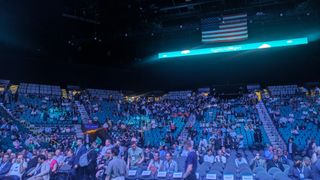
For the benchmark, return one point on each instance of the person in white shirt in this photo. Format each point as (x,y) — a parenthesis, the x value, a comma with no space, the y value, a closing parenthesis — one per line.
(155,164)
(240,160)
(203,143)
(220,157)
(17,168)
(107,146)
(208,157)
(58,157)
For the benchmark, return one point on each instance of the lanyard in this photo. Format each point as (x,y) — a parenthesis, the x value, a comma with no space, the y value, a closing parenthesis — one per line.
(302,169)
(2,165)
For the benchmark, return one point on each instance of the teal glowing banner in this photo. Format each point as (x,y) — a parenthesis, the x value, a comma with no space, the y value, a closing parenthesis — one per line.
(240,47)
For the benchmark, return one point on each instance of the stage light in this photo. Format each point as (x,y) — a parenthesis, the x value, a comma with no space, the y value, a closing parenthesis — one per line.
(234,48)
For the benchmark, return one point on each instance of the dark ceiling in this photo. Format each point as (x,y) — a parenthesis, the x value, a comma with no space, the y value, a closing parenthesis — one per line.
(106,43)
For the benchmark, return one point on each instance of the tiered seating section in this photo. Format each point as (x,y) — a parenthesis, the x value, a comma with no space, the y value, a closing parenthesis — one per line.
(283,90)
(238,117)
(45,110)
(37,89)
(296,116)
(160,119)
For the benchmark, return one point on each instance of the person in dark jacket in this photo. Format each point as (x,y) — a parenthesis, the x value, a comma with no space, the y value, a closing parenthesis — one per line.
(80,171)
(92,156)
(292,149)
(296,171)
(5,165)
(275,163)
(258,136)
(66,167)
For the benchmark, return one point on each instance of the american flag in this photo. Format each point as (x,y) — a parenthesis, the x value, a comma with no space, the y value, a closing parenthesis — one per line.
(227,28)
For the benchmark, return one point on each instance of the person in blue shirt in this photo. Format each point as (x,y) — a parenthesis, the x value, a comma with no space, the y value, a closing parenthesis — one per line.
(268,153)
(191,162)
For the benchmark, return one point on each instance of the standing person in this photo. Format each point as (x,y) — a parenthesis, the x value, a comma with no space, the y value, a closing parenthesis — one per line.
(258,137)
(292,149)
(135,155)
(92,166)
(191,162)
(81,150)
(116,169)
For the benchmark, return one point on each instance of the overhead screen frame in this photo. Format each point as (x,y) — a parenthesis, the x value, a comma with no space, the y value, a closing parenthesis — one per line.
(234,48)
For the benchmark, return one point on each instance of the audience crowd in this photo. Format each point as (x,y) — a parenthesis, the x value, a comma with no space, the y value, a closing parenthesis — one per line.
(215,138)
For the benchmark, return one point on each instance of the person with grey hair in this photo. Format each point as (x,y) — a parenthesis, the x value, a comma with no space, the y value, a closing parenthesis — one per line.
(306,165)
(315,155)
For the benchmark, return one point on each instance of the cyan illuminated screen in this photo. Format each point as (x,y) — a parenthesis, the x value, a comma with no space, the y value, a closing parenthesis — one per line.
(241,47)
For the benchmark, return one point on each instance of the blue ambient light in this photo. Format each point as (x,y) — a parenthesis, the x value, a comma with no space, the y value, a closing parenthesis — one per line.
(234,48)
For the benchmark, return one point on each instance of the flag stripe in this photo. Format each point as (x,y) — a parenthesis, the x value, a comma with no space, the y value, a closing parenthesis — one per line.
(226,34)
(234,21)
(232,40)
(234,16)
(225,38)
(224,30)
(233,25)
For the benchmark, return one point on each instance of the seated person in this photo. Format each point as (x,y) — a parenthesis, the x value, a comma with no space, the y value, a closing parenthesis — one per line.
(41,171)
(296,171)
(5,165)
(257,162)
(220,158)
(169,165)
(275,163)
(17,169)
(240,160)
(155,164)
(209,157)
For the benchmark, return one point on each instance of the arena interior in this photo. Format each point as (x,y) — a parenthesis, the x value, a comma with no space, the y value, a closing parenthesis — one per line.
(160,90)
